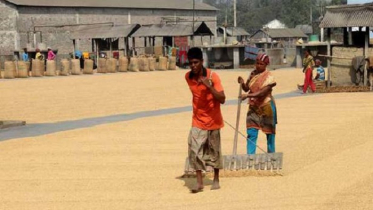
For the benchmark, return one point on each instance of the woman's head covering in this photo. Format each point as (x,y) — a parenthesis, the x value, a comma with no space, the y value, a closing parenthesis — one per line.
(263,57)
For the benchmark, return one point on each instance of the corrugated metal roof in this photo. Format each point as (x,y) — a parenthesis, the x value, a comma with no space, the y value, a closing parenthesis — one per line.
(159,30)
(103,31)
(307,29)
(138,4)
(284,32)
(357,15)
(277,33)
(234,31)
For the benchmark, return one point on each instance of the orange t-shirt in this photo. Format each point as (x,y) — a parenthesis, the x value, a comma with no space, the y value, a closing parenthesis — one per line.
(206,109)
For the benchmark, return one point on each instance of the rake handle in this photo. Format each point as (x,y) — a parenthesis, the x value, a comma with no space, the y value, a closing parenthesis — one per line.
(237,121)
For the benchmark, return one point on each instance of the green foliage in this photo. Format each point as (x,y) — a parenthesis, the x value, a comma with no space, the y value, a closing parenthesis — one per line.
(253,14)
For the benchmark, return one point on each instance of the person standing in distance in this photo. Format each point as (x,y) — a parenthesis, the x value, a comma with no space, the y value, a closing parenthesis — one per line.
(204,148)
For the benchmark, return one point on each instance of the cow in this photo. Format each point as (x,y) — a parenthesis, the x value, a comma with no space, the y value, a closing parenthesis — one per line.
(359,64)
(369,68)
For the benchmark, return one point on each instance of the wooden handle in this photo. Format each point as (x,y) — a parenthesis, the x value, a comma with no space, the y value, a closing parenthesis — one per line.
(237,121)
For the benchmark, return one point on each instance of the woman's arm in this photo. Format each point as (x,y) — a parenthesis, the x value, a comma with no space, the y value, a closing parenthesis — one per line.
(262,92)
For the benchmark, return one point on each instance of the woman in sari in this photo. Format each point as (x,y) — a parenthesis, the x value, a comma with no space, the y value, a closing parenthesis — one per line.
(262,108)
(308,64)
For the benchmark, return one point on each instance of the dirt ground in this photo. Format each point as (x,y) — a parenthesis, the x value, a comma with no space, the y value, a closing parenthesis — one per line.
(136,163)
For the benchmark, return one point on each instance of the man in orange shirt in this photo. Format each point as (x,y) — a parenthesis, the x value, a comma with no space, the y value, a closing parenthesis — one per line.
(204,138)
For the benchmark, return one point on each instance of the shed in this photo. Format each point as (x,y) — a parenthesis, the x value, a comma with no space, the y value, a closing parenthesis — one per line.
(170,31)
(346,17)
(307,29)
(286,36)
(238,32)
(107,32)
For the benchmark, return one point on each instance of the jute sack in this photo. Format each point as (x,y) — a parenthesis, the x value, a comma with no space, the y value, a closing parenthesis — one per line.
(134,64)
(101,67)
(9,69)
(22,69)
(172,63)
(162,64)
(144,64)
(75,67)
(111,65)
(37,68)
(51,68)
(65,67)
(151,63)
(123,64)
(88,66)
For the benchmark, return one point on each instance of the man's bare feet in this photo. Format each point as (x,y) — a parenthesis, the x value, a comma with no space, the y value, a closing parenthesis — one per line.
(215,186)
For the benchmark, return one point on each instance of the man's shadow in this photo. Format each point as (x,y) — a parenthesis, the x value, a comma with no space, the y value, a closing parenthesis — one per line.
(190,180)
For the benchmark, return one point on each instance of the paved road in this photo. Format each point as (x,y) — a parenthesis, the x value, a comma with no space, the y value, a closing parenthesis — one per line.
(33,130)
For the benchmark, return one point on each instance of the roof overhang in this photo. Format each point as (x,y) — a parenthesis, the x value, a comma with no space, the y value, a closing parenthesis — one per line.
(104,31)
(357,15)
(172,30)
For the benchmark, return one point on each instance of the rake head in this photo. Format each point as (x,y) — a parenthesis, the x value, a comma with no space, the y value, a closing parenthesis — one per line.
(265,161)
(256,162)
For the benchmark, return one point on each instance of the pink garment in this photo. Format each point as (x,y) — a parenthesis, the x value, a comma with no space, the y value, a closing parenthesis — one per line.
(51,55)
(308,81)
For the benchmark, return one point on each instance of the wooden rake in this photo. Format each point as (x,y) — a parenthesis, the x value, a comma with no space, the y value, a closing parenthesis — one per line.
(244,162)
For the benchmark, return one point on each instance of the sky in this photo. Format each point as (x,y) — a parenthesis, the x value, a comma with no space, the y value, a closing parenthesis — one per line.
(358,1)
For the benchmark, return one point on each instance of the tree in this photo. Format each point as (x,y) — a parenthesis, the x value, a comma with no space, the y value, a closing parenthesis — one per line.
(253,14)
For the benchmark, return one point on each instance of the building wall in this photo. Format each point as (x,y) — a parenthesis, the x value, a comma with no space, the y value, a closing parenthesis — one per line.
(341,69)
(58,38)
(8,30)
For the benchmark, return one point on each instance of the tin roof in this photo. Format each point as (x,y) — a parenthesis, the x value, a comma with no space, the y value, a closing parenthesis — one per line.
(137,4)
(103,31)
(282,33)
(234,31)
(307,29)
(355,15)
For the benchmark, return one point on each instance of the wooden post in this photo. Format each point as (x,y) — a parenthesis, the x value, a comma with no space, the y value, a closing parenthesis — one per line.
(97,53)
(111,48)
(125,47)
(93,45)
(328,39)
(133,46)
(73,49)
(366,53)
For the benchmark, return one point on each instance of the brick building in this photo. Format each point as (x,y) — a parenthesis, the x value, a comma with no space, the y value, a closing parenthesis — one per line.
(54,20)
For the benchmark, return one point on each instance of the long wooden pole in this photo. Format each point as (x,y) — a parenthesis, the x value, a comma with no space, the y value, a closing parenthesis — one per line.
(329,54)
(193,23)
(235,13)
(366,53)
